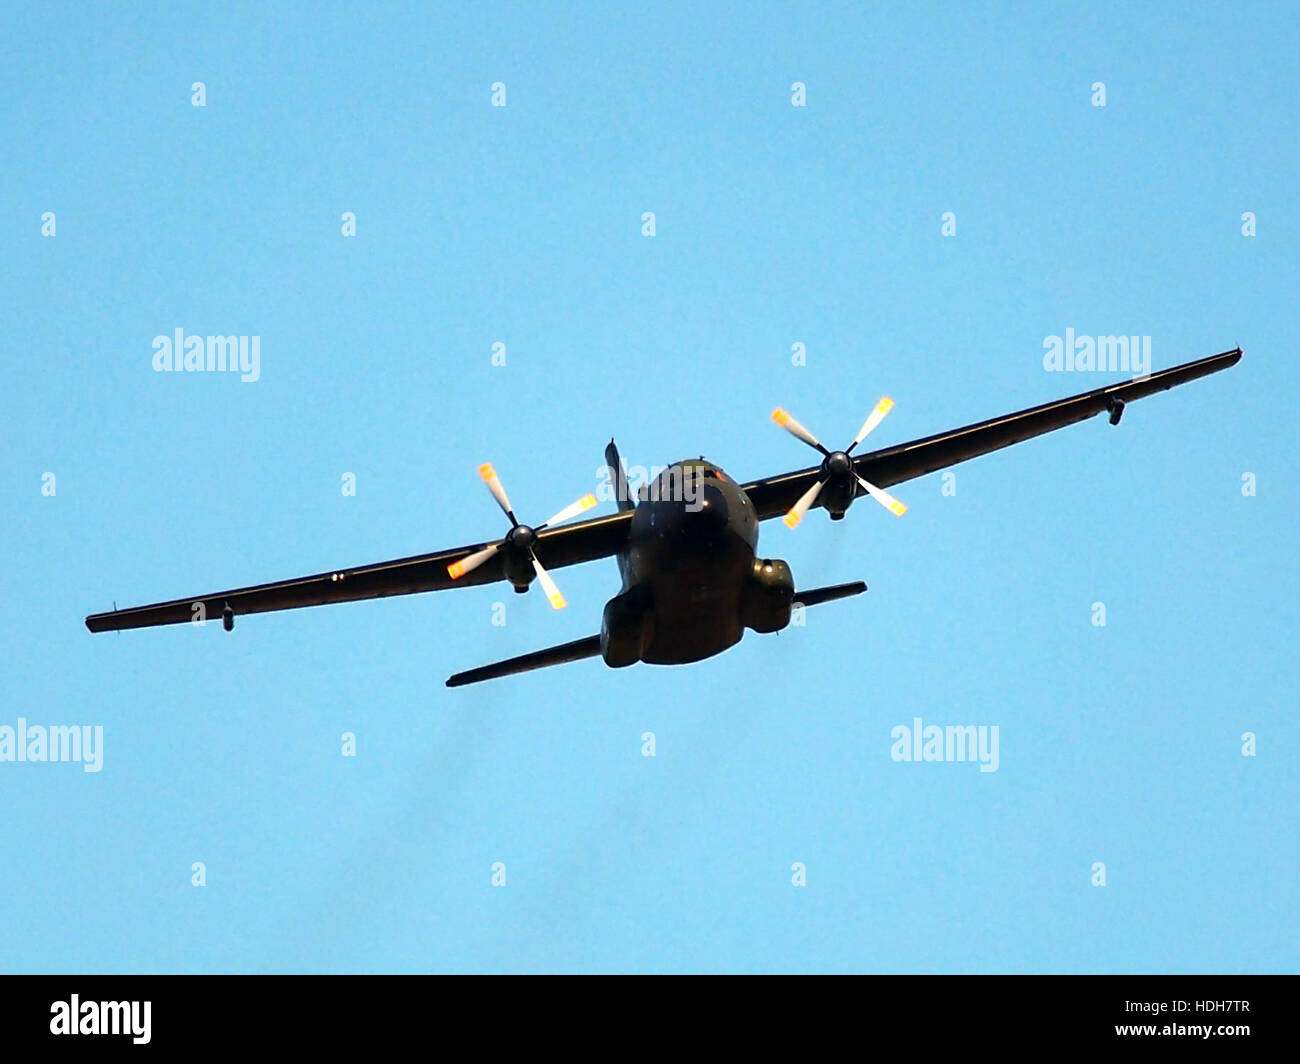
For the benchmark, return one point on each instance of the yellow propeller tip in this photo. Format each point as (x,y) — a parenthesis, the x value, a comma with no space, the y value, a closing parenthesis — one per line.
(557,602)
(792,519)
(455,570)
(588,501)
(780,416)
(486,471)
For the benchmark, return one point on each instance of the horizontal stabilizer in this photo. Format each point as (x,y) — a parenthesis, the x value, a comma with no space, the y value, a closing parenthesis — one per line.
(819,595)
(538,659)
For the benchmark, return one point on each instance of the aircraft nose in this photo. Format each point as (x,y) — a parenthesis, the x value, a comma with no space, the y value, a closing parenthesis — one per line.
(707,512)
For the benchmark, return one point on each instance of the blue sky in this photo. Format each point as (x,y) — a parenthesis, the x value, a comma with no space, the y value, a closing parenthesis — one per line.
(775,225)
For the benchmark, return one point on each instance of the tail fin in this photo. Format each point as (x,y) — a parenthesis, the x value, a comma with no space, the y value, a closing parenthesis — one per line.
(618,478)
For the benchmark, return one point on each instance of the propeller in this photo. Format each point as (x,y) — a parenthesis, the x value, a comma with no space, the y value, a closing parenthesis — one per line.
(837,468)
(519,543)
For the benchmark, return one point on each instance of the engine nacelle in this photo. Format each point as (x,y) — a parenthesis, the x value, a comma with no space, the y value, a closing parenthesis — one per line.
(841,486)
(769,596)
(517,557)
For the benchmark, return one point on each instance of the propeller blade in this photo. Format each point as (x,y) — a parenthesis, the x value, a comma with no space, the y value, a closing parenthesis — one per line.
(572,510)
(876,416)
(795,429)
(458,569)
(493,482)
(884,498)
(548,585)
(801,507)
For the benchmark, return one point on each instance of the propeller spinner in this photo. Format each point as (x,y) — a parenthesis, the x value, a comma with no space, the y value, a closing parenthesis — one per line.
(519,543)
(837,470)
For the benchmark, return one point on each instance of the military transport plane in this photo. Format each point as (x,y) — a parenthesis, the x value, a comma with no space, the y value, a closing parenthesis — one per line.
(692,580)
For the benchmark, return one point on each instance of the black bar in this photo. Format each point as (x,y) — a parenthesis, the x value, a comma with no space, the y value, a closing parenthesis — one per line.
(908,1015)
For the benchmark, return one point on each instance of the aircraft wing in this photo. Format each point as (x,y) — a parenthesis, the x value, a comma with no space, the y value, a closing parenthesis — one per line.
(774,496)
(582,541)
(602,537)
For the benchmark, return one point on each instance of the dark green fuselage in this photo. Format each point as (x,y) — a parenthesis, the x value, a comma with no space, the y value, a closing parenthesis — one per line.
(692,581)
